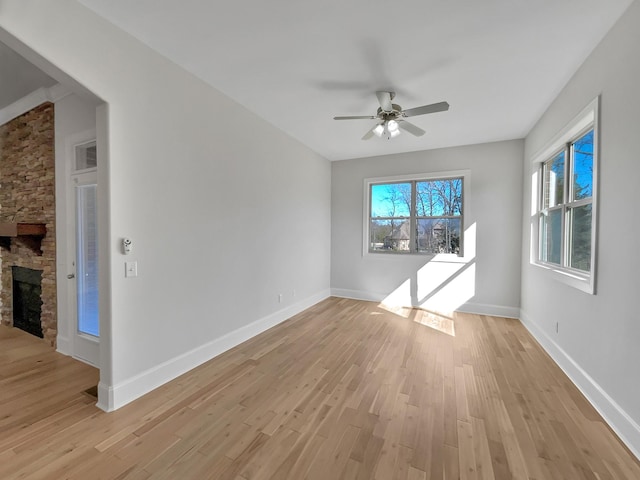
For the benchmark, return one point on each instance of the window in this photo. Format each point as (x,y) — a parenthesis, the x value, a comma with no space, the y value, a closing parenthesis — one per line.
(566,207)
(416,216)
(86,156)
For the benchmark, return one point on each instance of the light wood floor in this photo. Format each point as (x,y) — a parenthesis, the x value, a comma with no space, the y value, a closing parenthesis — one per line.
(345,390)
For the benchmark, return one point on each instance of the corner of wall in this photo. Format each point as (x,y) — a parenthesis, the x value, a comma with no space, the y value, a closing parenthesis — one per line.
(469,307)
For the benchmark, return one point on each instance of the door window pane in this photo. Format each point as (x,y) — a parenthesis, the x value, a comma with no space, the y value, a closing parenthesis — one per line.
(87,260)
(86,156)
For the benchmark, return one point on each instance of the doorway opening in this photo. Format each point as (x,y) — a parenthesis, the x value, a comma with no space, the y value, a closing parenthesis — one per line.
(67,315)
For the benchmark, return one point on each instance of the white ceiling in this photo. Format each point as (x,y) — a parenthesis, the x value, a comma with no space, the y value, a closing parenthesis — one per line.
(18,77)
(499,63)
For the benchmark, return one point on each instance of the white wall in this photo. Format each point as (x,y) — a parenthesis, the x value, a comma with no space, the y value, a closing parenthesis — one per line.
(224,210)
(597,341)
(488,281)
(74,118)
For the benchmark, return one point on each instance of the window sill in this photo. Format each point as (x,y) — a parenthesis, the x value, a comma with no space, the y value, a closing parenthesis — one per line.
(439,257)
(568,277)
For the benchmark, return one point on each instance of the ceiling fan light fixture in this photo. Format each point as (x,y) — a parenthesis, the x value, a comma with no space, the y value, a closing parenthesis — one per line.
(379,130)
(390,129)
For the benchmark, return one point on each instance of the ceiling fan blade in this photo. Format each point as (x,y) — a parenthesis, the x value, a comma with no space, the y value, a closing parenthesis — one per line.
(363,117)
(433,108)
(369,134)
(411,128)
(384,98)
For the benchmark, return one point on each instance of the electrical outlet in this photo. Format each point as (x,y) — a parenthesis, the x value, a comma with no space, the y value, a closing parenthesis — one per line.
(293,293)
(280,298)
(557,326)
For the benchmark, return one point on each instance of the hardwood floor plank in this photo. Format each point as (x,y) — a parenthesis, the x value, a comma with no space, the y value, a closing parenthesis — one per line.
(466,451)
(451,464)
(266,462)
(299,460)
(345,390)
(482,454)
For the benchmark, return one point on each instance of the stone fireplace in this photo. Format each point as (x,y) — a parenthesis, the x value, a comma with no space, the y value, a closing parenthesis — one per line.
(27,195)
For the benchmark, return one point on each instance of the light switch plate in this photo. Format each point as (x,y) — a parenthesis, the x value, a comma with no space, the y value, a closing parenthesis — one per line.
(130,269)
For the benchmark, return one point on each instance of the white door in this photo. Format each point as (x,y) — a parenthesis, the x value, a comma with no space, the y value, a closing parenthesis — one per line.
(84,254)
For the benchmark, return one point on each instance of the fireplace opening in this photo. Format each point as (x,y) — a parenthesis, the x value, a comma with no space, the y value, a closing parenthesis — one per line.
(27,300)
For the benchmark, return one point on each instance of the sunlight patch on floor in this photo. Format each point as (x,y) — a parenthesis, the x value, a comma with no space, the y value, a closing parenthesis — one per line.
(434,320)
(437,322)
(398,310)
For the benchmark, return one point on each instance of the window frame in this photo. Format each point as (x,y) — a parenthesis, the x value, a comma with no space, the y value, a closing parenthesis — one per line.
(584,122)
(85,145)
(464,175)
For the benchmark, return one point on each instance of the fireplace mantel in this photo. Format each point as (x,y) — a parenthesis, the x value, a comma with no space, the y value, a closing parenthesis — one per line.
(30,234)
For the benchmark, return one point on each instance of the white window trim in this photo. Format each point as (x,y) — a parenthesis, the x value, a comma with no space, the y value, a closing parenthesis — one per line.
(588,117)
(448,257)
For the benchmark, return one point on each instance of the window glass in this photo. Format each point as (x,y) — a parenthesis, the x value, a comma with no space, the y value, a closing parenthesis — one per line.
(439,235)
(554,181)
(583,167)
(580,248)
(87,261)
(86,156)
(565,225)
(418,216)
(439,197)
(552,236)
(390,235)
(391,200)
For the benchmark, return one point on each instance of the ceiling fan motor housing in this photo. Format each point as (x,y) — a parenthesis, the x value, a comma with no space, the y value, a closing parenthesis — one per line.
(395,113)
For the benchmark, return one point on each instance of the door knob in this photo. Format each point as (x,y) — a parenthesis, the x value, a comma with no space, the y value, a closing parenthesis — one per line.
(71,275)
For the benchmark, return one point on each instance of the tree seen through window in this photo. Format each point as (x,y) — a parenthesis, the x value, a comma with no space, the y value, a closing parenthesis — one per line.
(422,216)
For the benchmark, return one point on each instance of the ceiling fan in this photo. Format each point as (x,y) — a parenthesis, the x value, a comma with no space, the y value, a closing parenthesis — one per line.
(391,117)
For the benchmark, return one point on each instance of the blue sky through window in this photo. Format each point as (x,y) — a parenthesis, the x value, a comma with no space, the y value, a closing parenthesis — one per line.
(433,198)
(583,166)
(390,200)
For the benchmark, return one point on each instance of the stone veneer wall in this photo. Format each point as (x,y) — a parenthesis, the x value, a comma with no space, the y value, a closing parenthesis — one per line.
(27,194)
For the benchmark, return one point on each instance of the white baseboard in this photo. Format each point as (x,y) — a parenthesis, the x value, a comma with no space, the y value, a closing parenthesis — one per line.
(105,397)
(63,345)
(493,310)
(116,396)
(357,295)
(477,308)
(621,423)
